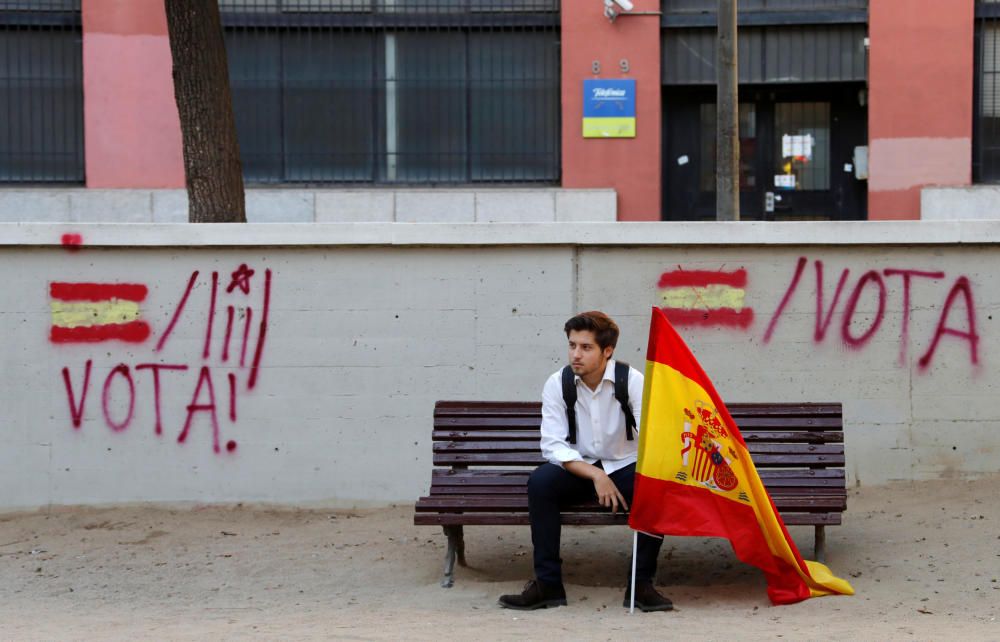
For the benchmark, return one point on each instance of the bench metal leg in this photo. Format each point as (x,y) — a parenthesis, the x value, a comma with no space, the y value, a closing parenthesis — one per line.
(456,550)
(820,544)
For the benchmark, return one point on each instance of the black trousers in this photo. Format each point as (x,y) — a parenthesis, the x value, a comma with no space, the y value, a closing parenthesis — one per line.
(551,487)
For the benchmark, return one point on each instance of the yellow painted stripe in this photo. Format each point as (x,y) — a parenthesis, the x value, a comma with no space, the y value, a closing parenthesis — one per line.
(86,313)
(703,297)
(609,127)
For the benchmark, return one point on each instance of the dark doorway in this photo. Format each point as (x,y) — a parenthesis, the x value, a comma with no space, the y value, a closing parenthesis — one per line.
(797,152)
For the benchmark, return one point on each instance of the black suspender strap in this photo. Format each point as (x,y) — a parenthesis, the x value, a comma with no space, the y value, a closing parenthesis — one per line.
(621,394)
(569,396)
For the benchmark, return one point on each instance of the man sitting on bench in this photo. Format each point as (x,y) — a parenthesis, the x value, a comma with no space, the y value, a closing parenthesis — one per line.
(590,441)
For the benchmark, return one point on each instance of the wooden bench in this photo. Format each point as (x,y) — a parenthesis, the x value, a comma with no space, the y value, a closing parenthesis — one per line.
(489,449)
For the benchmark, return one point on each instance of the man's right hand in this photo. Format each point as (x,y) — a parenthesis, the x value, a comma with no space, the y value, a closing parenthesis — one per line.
(608,494)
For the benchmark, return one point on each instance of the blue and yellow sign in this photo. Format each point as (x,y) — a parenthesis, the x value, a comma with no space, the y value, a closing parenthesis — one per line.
(609,109)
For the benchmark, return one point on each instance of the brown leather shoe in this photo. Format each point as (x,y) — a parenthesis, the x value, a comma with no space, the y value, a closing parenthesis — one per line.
(647,598)
(536,595)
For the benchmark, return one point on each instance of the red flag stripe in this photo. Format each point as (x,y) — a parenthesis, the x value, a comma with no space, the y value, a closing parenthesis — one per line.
(132,332)
(97,291)
(700,512)
(701,278)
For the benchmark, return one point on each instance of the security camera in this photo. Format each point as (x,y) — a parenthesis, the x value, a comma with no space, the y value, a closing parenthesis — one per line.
(609,8)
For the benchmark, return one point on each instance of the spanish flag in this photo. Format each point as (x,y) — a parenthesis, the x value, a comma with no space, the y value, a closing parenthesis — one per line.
(695,477)
(95,312)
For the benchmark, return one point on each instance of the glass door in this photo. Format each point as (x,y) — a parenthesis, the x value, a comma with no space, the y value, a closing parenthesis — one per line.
(797,148)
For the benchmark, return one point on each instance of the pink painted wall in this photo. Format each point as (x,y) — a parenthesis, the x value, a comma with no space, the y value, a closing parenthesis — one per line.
(629,165)
(920,101)
(131,127)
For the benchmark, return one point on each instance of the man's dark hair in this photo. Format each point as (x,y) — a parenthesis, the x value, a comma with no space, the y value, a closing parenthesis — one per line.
(605,330)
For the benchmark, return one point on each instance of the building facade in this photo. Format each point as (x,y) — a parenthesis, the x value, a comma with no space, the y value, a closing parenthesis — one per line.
(468,110)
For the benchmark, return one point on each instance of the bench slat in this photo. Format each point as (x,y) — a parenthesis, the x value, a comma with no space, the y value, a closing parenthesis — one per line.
(520,476)
(515,519)
(532,447)
(493,503)
(457,407)
(515,489)
(535,459)
(783,436)
(583,519)
(506,422)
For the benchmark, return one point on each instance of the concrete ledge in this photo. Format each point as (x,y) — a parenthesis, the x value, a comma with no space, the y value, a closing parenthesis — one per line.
(493,234)
(327,205)
(977,202)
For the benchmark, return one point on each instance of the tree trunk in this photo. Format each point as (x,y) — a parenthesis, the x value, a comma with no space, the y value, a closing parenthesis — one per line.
(212,168)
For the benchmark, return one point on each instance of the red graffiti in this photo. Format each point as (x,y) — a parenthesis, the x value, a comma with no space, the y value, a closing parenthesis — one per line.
(905,330)
(71,242)
(246,335)
(229,332)
(205,377)
(232,397)
(177,312)
(700,278)
(961,287)
(874,279)
(823,323)
(124,390)
(89,324)
(156,367)
(852,304)
(786,298)
(76,411)
(98,291)
(120,369)
(241,279)
(211,315)
(262,333)
(705,298)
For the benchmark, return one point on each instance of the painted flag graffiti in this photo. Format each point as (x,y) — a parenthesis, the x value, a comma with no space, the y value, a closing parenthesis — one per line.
(715,491)
(95,312)
(705,298)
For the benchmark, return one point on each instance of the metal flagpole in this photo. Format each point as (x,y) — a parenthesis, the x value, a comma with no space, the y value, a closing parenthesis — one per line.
(635,549)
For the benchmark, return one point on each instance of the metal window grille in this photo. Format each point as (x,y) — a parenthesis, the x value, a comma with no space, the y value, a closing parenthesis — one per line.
(395,91)
(41,92)
(986,94)
(670,6)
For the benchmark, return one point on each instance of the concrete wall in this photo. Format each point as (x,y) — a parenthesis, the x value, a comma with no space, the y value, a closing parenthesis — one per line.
(322,386)
(438,205)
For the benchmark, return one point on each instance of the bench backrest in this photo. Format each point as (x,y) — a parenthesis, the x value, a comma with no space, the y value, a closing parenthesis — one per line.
(779,435)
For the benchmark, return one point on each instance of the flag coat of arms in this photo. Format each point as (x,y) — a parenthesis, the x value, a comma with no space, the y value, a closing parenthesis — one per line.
(695,476)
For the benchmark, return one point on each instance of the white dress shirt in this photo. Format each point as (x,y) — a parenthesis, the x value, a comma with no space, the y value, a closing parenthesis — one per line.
(600,422)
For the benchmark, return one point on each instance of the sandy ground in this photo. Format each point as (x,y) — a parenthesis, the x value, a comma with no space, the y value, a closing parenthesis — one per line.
(924,559)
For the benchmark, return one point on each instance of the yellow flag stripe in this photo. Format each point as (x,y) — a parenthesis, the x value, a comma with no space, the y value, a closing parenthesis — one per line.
(703,297)
(86,313)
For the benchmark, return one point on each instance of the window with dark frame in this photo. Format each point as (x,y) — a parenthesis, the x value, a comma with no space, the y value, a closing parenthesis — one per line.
(986,124)
(41,92)
(395,91)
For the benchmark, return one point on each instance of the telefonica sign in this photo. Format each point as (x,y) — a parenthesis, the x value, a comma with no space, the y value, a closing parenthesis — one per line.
(605,93)
(609,109)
